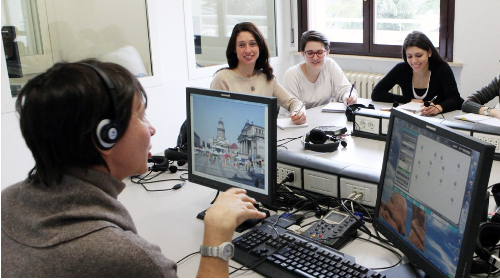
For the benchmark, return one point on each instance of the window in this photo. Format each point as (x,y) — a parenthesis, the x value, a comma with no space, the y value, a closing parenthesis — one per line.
(378,27)
(38,33)
(211,23)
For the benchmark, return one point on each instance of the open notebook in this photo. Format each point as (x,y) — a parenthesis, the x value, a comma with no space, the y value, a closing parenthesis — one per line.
(285,123)
(412,106)
(334,107)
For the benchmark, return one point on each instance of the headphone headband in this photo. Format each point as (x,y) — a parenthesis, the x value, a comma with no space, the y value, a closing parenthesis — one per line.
(108,130)
(315,140)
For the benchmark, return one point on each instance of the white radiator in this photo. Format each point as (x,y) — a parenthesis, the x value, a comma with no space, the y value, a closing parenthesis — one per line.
(365,82)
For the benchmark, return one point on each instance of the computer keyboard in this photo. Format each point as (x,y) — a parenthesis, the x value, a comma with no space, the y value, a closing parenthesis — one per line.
(277,252)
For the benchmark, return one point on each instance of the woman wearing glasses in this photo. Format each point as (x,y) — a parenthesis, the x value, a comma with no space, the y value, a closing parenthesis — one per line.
(319,79)
(249,70)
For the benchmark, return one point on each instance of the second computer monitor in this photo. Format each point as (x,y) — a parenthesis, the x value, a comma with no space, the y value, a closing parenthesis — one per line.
(232,141)
(432,193)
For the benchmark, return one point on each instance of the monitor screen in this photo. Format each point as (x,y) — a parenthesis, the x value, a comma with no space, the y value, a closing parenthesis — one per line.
(431,194)
(232,141)
(11,50)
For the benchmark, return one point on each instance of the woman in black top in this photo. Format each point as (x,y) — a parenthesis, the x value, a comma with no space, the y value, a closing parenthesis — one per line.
(423,76)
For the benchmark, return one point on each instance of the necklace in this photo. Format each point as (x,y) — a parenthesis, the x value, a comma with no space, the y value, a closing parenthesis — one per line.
(427,90)
(421,84)
(248,79)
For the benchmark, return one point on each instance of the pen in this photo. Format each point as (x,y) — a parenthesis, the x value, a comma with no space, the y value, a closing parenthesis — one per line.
(297,111)
(434,98)
(351,91)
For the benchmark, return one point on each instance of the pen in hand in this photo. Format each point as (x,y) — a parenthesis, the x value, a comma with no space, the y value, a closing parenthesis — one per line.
(434,98)
(297,111)
(351,91)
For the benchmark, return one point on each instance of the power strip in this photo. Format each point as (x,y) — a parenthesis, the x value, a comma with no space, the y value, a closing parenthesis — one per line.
(489,138)
(368,191)
(284,169)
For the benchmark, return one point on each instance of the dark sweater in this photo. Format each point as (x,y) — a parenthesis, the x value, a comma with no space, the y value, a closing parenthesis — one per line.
(75,229)
(475,101)
(442,84)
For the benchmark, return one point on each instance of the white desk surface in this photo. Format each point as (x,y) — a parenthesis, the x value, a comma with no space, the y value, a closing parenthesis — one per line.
(168,219)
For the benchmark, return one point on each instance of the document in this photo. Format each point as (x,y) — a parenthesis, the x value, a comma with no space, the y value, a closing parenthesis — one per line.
(412,106)
(491,121)
(285,123)
(334,107)
(470,117)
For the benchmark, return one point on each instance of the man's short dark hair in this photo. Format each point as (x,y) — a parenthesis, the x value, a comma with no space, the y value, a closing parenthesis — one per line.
(59,112)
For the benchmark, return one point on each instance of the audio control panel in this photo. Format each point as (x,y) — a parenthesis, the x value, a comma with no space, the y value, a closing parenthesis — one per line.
(333,230)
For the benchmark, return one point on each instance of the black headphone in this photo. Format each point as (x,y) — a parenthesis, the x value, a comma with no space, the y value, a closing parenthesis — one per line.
(108,130)
(488,236)
(162,163)
(315,140)
(351,109)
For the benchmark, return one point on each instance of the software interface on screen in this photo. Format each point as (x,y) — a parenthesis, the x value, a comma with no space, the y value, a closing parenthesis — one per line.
(229,141)
(427,192)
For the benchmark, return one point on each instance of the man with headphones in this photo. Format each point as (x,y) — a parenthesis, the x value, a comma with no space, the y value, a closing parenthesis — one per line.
(85,125)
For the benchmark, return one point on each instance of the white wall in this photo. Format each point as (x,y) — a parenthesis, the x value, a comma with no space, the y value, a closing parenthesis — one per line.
(475,46)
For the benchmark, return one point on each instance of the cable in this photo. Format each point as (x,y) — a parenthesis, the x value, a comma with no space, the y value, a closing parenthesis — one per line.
(190,255)
(145,180)
(440,112)
(289,140)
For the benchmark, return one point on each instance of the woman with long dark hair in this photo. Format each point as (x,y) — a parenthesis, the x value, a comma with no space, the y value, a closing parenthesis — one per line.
(249,70)
(423,76)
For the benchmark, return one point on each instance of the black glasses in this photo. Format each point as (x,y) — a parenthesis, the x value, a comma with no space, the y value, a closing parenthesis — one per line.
(310,54)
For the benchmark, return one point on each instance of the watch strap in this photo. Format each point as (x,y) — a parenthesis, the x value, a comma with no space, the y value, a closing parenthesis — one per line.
(486,111)
(217,251)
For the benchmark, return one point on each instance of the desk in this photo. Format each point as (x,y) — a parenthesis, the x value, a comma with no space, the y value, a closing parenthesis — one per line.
(168,219)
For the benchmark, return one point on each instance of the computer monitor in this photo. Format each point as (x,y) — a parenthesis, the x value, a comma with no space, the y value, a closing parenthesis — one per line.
(11,50)
(232,141)
(431,194)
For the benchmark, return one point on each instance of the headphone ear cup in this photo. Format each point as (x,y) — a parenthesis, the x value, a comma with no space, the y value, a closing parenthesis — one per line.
(164,166)
(488,236)
(172,169)
(106,134)
(343,143)
(317,136)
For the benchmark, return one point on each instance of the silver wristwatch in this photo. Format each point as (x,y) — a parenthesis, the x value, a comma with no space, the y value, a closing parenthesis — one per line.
(225,251)
(486,111)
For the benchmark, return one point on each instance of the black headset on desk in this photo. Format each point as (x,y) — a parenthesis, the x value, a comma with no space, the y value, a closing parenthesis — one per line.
(487,237)
(315,140)
(351,109)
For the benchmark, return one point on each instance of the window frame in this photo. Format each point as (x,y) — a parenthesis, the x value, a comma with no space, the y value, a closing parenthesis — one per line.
(368,48)
(195,73)
(156,79)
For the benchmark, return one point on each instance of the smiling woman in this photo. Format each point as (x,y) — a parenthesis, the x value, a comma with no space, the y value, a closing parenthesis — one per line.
(52,31)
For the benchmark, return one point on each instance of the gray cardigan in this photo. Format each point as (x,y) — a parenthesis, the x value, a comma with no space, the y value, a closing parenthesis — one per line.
(75,229)
(475,101)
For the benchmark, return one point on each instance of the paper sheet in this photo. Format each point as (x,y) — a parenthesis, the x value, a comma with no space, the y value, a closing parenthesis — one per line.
(286,123)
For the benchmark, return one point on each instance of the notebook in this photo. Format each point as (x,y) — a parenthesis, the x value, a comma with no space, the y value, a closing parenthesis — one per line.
(334,107)
(412,106)
(285,123)
(472,117)
(476,118)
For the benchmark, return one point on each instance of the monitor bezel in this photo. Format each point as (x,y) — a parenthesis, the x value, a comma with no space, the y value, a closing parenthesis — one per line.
(476,209)
(271,161)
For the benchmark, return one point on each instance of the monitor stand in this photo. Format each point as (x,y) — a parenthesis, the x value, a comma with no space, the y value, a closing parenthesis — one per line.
(241,228)
(406,270)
